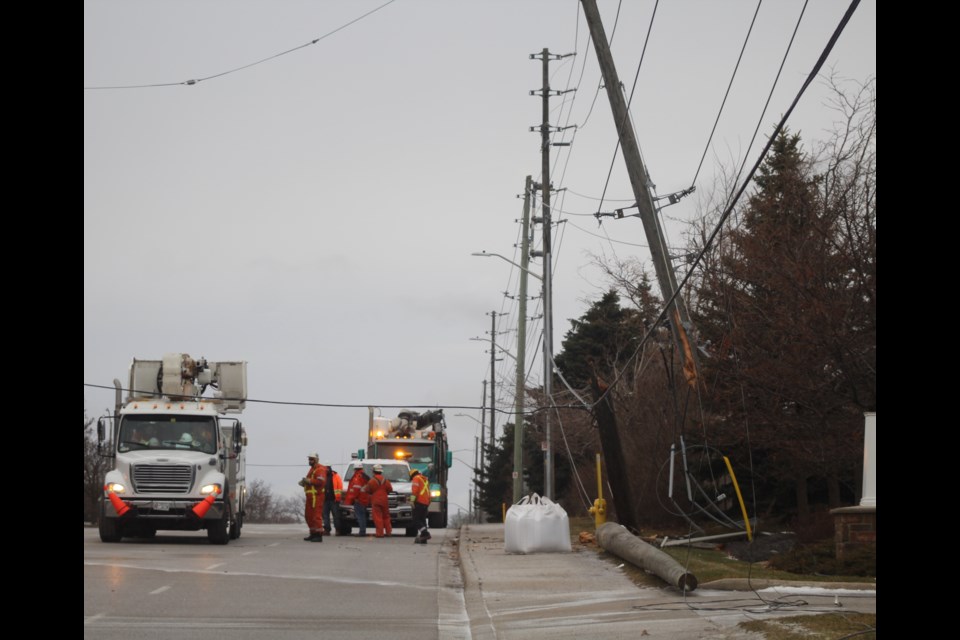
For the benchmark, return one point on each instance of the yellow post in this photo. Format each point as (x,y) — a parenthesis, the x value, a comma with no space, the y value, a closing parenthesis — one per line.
(503,511)
(599,508)
(743,507)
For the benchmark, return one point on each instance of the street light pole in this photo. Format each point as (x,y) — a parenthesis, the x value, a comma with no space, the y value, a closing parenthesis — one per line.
(521,340)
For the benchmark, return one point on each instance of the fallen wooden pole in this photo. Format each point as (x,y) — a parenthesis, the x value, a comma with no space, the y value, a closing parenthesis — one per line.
(617,540)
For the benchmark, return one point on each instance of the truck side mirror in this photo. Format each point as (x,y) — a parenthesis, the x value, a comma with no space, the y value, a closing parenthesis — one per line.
(449,459)
(101,430)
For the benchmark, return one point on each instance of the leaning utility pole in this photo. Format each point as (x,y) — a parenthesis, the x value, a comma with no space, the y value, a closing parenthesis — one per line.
(639,178)
(545,56)
(521,347)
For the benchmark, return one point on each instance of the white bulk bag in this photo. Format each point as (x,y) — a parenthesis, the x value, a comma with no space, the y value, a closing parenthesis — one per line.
(536,525)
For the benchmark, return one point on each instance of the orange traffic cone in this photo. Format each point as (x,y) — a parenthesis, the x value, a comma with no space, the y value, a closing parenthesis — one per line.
(119,505)
(201,508)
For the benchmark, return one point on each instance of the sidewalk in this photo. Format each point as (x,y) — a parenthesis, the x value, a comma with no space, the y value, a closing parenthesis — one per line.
(579,594)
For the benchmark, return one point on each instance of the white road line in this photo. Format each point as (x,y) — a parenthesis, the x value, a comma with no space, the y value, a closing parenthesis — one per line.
(160,590)
(93,618)
(275,544)
(282,576)
(214,566)
(249,553)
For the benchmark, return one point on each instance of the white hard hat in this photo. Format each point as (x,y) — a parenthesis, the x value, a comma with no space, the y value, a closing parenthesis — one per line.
(186,437)
(378,468)
(313,455)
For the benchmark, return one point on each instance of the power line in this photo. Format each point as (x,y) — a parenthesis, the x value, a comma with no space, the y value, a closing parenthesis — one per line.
(727,94)
(600,199)
(607,237)
(194,81)
(334,405)
(776,80)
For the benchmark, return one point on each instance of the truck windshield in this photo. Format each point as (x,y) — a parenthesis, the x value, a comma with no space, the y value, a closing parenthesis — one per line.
(418,454)
(392,472)
(193,433)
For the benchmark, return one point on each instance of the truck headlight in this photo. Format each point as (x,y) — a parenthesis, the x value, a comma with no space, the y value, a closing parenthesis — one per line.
(210,488)
(116,487)
(435,493)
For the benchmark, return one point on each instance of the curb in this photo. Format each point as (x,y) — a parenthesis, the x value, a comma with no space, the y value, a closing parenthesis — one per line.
(744,584)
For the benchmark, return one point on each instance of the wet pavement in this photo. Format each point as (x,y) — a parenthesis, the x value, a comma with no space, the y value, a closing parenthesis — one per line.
(580,594)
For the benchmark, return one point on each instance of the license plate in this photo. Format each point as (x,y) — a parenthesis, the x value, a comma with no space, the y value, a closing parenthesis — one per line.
(161,506)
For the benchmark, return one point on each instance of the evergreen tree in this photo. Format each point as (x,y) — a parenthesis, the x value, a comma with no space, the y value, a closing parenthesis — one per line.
(790,313)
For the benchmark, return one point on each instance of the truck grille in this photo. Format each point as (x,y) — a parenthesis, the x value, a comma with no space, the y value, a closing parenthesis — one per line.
(162,478)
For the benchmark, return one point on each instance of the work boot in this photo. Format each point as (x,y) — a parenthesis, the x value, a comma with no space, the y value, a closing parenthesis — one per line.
(317,538)
(309,538)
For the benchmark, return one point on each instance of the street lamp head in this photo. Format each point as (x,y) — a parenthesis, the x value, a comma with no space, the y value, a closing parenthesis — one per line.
(484,254)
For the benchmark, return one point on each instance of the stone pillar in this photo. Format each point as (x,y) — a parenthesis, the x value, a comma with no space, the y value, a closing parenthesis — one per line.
(853,527)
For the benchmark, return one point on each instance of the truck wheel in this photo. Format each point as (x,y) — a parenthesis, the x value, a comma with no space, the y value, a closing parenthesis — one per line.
(220,531)
(344,530)
(437,520)
(237,524)
(109,528)
(411,531)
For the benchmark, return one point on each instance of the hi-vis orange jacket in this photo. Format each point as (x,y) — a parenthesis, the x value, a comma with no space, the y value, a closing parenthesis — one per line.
(421,489)
(378,488)
(337,487)
(353,489)
(316,478)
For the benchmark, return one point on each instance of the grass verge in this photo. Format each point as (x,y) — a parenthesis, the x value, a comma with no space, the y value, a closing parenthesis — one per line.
(829,626)
(707,564)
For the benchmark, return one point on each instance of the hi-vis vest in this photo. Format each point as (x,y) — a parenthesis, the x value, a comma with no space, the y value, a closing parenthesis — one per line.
(311,489)
(423,491)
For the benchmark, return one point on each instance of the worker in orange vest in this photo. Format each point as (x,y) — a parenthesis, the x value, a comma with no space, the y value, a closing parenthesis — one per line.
(313,488)
(333,493)
(420,495)
(360,500)
(379,488)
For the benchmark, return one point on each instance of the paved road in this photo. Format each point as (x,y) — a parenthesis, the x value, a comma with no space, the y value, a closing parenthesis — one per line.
(270,583)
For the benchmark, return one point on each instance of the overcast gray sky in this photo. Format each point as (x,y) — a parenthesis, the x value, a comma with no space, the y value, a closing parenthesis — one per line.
(314,215)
